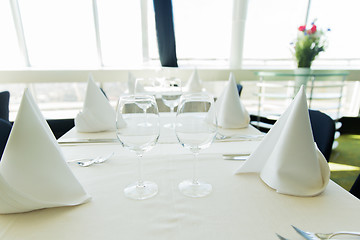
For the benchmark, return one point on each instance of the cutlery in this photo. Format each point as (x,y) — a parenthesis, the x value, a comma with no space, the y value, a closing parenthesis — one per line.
(239,137)
(96,160)
(281,237)
(87,140)
(236,157)
(323,236)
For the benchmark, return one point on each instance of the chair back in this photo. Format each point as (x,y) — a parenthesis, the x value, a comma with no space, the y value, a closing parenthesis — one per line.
(323,128)
(4,105)
(5,129)
(239,88)
(355,189)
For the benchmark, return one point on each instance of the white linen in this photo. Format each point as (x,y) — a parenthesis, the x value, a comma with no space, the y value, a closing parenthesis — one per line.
(287,158)
(240,206)
(230,111)
(33,172)
(97,114)
(194,84)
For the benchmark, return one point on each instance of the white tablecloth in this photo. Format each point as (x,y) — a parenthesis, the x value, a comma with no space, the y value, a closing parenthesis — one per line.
(240,206)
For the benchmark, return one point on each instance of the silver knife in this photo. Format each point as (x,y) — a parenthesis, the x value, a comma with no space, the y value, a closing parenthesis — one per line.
(87,140)
(236,157)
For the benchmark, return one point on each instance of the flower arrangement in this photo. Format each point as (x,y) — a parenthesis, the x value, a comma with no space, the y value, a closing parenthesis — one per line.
(309,43)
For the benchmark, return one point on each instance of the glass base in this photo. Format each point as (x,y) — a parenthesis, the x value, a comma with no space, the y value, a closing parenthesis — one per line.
(198,189)
(147,190)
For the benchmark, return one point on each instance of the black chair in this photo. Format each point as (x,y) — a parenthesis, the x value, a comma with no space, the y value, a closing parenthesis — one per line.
(60,126)
(239,88)
(355,189)
(323,128)
(4,105)
(5,129)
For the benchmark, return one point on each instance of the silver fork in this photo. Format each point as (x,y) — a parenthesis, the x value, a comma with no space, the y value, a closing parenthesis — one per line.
(322,236)
(96,160)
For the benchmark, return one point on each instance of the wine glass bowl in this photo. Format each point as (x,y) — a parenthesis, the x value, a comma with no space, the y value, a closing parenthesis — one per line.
(171,92)
(195,129)
(138,131)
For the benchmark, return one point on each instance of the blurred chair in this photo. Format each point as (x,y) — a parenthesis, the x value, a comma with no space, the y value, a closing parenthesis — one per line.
(323,128)
(239,88)
(5,129)
(60,126)
(4,105)
(355,189)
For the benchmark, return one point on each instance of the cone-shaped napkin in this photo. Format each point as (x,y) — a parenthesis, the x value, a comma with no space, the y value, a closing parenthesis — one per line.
(131,83)
(194,83)
(97,114)
(33,171)
(287,158)
(230,111)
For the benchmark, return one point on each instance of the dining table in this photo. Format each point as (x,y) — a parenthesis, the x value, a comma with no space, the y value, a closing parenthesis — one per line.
(240,206)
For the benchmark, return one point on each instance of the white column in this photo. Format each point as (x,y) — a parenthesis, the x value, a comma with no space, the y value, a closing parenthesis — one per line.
(20,31)
(144,30)
(97,33)
(238,32)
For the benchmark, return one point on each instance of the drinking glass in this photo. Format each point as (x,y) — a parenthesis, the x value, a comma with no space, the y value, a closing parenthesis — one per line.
(138,130)
(195,129)
(171,93)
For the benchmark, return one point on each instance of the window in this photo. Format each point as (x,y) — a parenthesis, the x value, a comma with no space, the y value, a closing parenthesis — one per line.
(202,28)
(59,33)
(120,32)
(10,56)
(271,26)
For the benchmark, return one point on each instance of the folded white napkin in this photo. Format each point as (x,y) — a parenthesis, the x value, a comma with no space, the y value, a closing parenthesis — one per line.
(131,83)
(33,171)
(287,158)
(230,111)
(194,84)
(97,114)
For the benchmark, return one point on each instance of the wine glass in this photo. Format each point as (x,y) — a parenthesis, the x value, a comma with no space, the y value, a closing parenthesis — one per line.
(138,131)
(195,128)
(171,92)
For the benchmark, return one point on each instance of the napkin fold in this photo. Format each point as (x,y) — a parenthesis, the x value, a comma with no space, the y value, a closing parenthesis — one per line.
(33,171)
(287,158)
(194,84)
(230,111)
(131,83)
(97,114)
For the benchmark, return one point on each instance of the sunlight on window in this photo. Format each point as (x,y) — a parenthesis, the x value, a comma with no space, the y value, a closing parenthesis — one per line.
(202,28)
(120,30)
(271,26)
(9,49)
(61,34)
(340,17)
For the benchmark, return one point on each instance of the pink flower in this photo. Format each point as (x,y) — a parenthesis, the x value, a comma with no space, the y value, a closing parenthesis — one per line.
(303,28)
(313,28)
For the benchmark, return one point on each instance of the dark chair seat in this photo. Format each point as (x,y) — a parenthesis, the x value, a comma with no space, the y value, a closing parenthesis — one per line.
(5,129)
(355,189)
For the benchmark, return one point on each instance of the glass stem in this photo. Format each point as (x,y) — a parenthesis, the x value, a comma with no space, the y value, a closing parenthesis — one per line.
(195,180)
(172,109)
(140,180)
